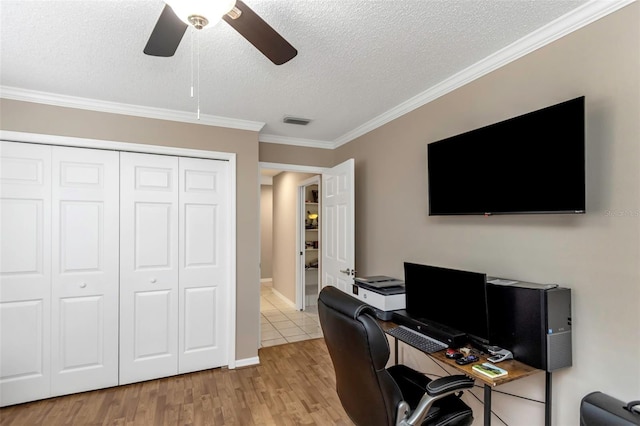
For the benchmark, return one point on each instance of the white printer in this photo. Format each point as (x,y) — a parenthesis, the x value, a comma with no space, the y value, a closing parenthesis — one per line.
(384,294)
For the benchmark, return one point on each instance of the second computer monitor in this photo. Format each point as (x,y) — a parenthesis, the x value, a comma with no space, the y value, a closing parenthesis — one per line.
(453,298)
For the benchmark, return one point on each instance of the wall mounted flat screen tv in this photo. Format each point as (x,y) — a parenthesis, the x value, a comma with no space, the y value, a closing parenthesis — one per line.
(533,163)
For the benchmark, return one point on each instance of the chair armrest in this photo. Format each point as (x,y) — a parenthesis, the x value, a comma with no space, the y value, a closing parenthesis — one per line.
(446,385)
(435,390)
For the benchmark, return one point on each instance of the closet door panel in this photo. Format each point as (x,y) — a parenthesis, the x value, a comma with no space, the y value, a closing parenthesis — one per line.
(25,272)
(85,189)
(148,267)
(152,332)
(203,264)
(153,223)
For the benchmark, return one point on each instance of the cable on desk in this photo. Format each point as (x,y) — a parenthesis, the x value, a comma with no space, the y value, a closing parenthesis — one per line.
(518,396)
(492,412)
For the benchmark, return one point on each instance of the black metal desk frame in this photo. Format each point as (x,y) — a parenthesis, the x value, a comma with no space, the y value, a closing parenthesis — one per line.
(487,390)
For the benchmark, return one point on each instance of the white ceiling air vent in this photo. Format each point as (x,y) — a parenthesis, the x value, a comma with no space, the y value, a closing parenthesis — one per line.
(296,120)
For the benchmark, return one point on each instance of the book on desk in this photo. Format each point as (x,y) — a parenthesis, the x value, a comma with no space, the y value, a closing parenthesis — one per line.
(489,370)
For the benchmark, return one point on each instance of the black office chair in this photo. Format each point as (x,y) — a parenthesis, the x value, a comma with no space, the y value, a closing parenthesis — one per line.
(372,394)
(600,409)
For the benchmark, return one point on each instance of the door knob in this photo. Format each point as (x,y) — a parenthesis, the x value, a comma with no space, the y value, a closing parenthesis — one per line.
(346,271)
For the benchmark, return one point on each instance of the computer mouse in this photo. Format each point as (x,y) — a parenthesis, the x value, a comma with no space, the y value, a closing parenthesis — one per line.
(467,360)
(453,354)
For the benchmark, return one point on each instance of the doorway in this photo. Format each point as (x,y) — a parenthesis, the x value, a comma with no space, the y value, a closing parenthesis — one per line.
(282,320)
(337,262)
(309,241)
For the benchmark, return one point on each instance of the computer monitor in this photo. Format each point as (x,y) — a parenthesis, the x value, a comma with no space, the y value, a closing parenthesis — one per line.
(453,298)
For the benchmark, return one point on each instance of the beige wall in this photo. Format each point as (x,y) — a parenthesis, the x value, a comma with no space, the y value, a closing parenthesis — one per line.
(51,120)
(296,155)
(285,208)
(266,231)
(596,254)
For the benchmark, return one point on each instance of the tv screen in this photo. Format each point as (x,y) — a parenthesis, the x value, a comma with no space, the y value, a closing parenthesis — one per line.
(533,163)
(449,297)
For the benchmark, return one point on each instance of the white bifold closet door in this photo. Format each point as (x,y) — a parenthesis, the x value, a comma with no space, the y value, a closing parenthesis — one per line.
(25,272)
(148,267)
(58,271)
(114,268)
(173,265)
(84,310)
(203,264)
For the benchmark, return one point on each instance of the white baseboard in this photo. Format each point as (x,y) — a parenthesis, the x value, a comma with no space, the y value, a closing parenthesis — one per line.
(247,362)
(284,298)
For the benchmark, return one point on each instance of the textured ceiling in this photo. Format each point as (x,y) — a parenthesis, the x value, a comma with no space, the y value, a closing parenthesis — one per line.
(357,59)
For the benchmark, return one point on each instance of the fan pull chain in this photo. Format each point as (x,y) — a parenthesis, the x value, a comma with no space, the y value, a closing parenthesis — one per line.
(195,45)
(191,31)
(198,53)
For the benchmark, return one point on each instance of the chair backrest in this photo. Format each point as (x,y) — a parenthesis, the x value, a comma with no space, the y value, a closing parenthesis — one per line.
(359,351)
(597,409)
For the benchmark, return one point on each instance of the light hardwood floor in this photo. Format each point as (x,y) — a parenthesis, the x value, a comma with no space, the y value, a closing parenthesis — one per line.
(293,385)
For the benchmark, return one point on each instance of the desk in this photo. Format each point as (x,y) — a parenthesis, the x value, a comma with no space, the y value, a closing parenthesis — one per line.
(516,369)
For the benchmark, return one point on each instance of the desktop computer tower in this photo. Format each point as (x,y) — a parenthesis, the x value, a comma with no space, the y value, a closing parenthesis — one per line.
(533,321)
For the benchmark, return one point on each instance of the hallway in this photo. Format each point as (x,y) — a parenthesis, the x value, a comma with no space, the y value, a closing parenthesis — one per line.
(281,323)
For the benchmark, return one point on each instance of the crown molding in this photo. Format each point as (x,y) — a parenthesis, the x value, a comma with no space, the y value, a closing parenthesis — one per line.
(568,23)
(572,21)
(287,140)
(17,94)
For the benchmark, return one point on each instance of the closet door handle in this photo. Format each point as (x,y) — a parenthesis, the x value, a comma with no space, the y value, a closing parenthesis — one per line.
(83,285)
(153,280)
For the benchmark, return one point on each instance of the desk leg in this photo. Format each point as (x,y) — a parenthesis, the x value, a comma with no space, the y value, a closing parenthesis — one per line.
(395,350)
(547,399)
(487,405)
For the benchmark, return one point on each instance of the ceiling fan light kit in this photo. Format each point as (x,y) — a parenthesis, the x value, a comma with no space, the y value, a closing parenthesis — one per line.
(200,13)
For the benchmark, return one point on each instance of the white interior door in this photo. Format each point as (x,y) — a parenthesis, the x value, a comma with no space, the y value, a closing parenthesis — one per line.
(84,320)
(148,266)
(25,272)
(204,270)
(338,225)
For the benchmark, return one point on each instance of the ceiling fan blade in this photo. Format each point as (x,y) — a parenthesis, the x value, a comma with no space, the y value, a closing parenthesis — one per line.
(166,35)
(261,35)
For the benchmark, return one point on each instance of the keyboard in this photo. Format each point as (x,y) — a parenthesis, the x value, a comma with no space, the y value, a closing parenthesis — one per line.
(417,340)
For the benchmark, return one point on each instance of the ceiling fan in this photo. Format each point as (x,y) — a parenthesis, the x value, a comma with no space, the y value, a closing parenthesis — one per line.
(177,15)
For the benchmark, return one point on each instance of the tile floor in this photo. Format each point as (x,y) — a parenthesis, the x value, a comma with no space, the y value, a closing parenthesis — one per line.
(281,323)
